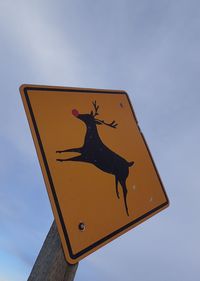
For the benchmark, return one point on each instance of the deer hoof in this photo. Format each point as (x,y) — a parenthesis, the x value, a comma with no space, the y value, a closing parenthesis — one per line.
(60,160)
(58,151)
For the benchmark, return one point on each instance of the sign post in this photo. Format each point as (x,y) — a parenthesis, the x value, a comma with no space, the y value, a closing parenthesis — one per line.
(51,264)
(99,173)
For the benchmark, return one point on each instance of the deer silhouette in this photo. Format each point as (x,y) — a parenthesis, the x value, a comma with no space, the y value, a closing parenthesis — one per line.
(94,151)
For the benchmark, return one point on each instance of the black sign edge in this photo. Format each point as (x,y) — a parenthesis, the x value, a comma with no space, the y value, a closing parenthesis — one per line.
(101,241)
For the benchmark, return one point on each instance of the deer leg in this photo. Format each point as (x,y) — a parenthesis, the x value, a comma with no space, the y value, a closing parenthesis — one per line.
(116,185)
(76,158)
(69,150)
(123,184)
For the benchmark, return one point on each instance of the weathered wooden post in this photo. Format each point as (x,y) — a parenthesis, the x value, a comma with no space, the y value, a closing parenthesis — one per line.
(50,264)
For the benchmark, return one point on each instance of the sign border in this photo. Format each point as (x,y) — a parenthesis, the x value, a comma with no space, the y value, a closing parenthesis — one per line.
(24,89)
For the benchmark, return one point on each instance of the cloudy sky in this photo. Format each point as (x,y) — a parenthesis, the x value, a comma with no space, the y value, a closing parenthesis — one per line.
(151,50)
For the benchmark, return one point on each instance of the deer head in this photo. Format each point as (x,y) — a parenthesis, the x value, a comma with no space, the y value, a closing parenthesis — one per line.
(90,119)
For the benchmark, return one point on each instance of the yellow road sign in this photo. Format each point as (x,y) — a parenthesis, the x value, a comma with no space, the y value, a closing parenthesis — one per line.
(99,173)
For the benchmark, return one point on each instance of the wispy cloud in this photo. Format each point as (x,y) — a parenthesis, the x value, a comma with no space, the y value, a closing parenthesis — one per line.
(43,43)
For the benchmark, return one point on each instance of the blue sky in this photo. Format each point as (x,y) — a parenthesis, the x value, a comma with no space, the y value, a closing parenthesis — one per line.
(151,50)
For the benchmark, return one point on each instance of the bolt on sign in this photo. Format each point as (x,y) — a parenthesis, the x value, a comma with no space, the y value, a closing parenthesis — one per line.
(98,170)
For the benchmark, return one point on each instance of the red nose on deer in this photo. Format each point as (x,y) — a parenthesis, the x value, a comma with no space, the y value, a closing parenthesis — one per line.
(75,112)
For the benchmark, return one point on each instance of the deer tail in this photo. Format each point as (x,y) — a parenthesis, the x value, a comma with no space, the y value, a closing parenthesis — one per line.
(130,163)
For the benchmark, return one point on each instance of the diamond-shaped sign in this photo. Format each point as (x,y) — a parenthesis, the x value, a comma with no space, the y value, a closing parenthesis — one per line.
(99,173)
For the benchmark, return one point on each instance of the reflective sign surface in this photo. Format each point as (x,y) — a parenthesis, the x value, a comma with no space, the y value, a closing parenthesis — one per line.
(98,171)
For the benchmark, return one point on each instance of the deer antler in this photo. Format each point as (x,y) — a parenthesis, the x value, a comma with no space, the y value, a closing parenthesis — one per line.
(96,107)
(112,124)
